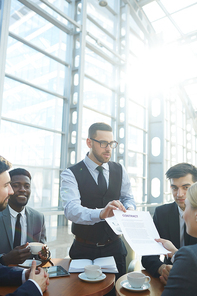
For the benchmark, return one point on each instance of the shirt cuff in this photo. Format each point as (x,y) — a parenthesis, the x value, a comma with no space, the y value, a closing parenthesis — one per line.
(23,276)
(131,208)
(172,259)
(95,215)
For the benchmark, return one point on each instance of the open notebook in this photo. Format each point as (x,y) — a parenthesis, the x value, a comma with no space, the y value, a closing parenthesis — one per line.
(107,264)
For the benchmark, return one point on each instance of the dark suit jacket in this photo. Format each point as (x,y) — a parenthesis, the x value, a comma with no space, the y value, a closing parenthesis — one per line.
(166,219)
(36,230)
(11,276)
(182,277)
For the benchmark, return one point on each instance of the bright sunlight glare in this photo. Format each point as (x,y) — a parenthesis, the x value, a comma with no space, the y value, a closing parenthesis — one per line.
(161,68)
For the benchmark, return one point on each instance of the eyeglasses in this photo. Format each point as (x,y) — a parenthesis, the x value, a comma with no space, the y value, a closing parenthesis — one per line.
(104,144)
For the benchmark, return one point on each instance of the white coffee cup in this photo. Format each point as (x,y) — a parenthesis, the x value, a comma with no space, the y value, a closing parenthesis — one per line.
(92,271)
(137,279)
(35,247)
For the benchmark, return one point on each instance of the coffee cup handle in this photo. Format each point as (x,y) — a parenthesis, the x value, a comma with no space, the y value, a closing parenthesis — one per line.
(148,279)
(100,271)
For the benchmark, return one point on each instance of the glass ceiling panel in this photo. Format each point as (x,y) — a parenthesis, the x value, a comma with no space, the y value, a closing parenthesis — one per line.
(153,11)
(175,5)
(187,19)
(180,58)
(166,29)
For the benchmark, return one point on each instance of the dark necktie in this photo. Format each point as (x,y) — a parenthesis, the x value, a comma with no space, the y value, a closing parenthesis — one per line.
(101,180)
(17,235)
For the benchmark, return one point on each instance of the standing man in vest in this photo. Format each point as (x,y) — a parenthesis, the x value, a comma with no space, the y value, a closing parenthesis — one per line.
(90,191)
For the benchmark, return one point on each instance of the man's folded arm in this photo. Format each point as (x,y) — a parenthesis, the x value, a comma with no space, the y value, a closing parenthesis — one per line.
(28,288)
(10,276)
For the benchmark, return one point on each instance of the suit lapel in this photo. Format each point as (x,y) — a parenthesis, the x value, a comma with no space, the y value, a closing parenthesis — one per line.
(7,224)
(30,222)
(186,236)
(174,225)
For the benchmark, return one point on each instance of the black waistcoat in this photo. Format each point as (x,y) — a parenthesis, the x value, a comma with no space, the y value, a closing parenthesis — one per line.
(91,198)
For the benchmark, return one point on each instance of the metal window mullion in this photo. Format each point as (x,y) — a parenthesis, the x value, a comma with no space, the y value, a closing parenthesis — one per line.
(170,18)
(136,35)
(83,34)
(145,156)
(37,167)
(46,15)
(100,53)
(111,10)
(99,82)
(156,126)
(53,7)
(31,125)
(100,27)
(78,89)
(138,104)
(97,111)
(24,41)
(66,114)
(137,152)
(143,23)
(138,127)
(100,43)
(4,28)
(124,68)
(34,86)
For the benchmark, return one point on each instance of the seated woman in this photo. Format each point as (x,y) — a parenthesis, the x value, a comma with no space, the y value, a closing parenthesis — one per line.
(182,279)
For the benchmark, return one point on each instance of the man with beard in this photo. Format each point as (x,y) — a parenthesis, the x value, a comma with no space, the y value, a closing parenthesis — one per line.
(32,225)
(35,281)
(90,191)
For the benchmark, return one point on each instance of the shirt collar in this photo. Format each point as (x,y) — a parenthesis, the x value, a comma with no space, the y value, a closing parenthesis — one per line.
(92,165)
(14,213)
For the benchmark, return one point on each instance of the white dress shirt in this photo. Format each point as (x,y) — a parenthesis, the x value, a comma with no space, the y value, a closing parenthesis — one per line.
(71,198)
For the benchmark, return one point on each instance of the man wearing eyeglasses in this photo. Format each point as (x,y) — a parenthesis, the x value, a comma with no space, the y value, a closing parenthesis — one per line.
(90,191)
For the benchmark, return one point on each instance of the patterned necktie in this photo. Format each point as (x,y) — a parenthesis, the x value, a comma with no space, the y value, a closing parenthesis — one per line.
(102,184)
(17,235)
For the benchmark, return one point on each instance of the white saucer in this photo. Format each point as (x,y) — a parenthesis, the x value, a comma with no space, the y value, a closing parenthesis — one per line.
(83,277)
(126,285)
(28,263)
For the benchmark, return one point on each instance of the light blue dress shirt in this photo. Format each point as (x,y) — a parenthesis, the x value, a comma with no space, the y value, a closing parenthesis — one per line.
(71,199)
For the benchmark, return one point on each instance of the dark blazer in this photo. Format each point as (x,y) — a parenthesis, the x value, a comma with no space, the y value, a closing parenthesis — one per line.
(182,277)
(166,219)
(36,230)
(11,276)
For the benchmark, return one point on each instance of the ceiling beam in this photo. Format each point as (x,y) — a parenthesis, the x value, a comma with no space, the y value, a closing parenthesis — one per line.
(144,2)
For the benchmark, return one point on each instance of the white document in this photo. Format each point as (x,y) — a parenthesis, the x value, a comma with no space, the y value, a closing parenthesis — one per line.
(113,223)
(140,232)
